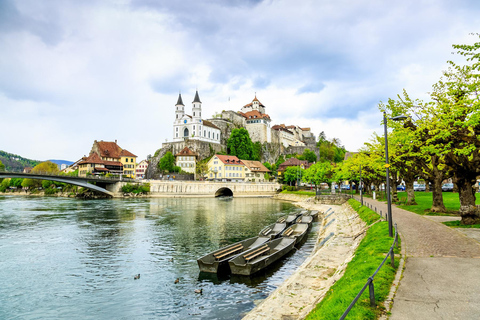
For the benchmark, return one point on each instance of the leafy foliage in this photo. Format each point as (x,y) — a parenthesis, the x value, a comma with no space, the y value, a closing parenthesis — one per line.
(292,174)
(239,144)
(318,173)
(167,162)
(330,150)
(143,188)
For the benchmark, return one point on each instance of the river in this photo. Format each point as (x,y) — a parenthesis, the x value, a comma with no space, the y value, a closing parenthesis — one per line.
(64,258)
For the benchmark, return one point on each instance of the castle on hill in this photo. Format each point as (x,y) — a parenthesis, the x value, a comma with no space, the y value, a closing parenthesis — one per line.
(205,136)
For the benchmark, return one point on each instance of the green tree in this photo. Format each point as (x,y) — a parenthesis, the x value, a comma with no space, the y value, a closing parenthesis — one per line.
(309,155)
(47,167)
(239,144)
(292,174)
(167,162)
(320,172)
(2,166)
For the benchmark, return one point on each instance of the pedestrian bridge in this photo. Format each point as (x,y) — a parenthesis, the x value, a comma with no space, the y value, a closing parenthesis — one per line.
(101,183)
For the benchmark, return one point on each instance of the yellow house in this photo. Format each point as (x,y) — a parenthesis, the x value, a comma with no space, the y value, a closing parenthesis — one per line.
(129,162)
(255,171)
(226,168)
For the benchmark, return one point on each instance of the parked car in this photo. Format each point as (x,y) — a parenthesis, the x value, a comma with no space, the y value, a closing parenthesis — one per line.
(400,187)
(447,187)
(345,187)
(418,187)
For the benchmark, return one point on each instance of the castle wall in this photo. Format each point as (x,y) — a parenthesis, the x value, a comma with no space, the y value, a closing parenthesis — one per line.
(257,132)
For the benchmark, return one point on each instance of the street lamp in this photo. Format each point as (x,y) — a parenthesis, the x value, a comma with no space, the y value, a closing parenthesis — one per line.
(389,200)
(361,186)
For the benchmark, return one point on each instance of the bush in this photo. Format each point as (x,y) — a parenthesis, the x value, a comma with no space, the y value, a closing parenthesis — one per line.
(136,188)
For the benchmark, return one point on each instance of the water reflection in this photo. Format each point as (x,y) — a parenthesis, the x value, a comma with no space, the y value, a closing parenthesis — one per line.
(62,257)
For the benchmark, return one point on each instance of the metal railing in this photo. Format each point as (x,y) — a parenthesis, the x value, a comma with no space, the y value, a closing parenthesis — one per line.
(369,283)
(66,176)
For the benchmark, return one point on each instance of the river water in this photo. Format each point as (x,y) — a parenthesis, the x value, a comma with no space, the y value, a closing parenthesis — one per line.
(63,258)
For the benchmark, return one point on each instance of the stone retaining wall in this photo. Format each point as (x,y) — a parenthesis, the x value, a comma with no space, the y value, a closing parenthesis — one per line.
(337,199)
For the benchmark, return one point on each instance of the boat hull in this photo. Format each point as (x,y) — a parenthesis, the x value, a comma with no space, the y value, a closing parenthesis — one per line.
(273,231)
(277,249)
(209,263)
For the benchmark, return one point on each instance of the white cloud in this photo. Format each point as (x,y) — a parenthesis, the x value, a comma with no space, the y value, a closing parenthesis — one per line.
(72,72)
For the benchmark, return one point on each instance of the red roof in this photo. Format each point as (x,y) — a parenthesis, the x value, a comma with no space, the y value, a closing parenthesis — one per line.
(293,162)
(255,166)
(254,114)
(228,159)
(92,158)
(209,124)
(186,152)
(109,149)
(254,99)
(126,153)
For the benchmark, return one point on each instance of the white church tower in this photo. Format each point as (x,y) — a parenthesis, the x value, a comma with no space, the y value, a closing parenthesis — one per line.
(179,108)
(197,115)
(192,126)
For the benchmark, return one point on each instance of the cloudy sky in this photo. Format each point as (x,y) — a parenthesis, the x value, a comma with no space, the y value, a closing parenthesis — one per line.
(75,71)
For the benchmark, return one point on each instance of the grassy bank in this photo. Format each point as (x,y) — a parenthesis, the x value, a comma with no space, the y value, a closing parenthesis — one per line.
(300,193)
(424,202)
(368,257)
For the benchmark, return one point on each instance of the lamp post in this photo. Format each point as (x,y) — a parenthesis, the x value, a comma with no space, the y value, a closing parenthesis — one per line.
(361,186)
(387,165)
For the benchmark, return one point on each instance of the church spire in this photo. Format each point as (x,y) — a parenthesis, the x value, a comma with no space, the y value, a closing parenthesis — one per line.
(180,102)
(197,98)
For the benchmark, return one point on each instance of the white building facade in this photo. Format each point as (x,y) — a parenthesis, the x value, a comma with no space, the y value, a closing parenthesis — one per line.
(192,126)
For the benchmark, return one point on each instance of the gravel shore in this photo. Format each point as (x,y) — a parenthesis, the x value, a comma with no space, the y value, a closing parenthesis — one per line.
(339,235)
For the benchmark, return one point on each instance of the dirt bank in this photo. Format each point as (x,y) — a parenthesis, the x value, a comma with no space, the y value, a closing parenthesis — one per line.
(338,238)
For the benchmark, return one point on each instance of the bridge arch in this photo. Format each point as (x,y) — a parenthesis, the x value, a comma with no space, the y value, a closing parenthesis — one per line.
(77,181)
(224,192)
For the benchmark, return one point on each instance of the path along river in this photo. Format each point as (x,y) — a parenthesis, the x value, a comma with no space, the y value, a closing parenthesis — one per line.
(63,258)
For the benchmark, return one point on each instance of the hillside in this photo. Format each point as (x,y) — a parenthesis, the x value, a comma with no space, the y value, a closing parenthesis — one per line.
(15,162)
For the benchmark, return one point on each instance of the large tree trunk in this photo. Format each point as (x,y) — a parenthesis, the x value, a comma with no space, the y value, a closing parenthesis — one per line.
(393,187)
(468,210)
(410,193)
(437,195)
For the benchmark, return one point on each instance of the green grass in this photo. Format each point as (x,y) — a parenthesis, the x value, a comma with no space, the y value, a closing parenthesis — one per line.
(424,203)
(301,193)
(368,257)
(457,224)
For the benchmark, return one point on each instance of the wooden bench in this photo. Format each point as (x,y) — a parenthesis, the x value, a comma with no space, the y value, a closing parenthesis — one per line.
(255,253)
(228,251)
(299,220)
(281,220)
(288,232)
(267,231)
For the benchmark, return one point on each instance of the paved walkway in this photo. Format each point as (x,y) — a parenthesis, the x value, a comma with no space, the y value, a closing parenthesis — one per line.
(441,279)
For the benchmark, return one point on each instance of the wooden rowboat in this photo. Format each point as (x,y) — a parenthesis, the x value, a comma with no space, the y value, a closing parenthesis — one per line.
(273,230)
(298,231)
(217,261)
(254,260)
(314,214)
(305,219)
(289,220)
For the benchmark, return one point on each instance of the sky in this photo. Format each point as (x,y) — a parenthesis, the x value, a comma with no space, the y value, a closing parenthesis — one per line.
(72,72)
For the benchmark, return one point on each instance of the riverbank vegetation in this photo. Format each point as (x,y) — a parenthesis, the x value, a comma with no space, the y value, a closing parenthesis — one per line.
(368,256)
(142,188)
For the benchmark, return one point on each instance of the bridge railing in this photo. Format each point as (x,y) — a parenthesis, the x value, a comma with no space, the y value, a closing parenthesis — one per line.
(90,177)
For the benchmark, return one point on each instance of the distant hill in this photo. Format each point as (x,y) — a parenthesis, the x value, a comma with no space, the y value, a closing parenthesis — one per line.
(60,162)
(16,163)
